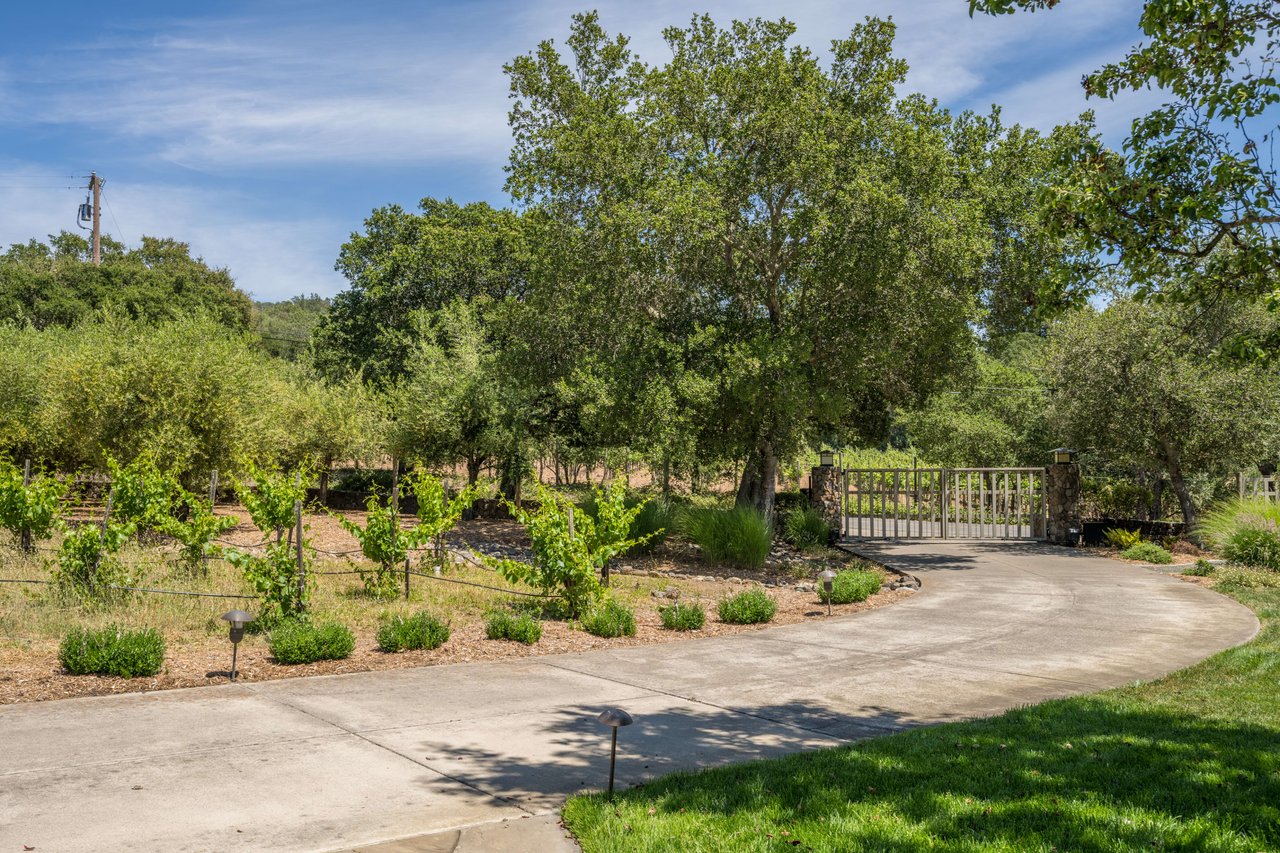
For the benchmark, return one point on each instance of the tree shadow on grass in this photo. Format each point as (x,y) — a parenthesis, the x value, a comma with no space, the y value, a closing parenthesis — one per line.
(1087,775)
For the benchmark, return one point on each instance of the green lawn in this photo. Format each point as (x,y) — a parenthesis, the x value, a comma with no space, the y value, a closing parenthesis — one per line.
(1190,762)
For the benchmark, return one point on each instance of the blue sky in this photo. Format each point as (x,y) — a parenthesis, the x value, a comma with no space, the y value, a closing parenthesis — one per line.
(263,134)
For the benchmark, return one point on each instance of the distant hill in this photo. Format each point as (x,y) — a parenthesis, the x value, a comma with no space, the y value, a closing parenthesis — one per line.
(286,326)
(56,283)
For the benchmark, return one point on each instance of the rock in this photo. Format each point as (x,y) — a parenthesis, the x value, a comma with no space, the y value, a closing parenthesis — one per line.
(655,574)
(806,587)
(734,580)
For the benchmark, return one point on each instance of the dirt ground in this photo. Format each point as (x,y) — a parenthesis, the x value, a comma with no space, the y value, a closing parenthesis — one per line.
(199,652)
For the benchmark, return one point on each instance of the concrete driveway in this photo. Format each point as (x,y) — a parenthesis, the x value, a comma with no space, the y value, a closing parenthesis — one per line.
(342,762)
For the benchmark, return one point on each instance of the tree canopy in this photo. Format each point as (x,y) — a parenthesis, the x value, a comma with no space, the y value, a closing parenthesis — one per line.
(56,283)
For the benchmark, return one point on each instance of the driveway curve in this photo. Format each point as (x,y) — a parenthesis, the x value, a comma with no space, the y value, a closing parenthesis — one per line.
(336,762)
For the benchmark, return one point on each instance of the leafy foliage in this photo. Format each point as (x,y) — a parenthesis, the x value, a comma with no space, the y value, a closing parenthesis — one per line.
(805,528)
(1200,568)
(271,498)
(299,641)
(381,541)
(682,617)
(31,511)
(739,537)
(437,512)
(851,585)
(654,520)
(610,618)
(419,631)
(749,607)
(274,578)
(566,565)
(1190,204)
(87,561)
(142,494)
(505,625)
(1245,532)
(196,532)
(112,650)
(57,284)
(1118,537)
(1148,552)
(286,326)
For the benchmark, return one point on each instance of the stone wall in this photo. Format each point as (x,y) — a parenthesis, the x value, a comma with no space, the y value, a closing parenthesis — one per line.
(824,493)
(1062,502)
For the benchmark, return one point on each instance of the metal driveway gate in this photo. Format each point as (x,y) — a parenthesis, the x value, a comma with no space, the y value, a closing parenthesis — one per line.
(944,503)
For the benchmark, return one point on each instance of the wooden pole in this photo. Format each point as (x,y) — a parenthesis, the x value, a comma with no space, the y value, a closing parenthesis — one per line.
(96,185)
(302,567)
(406,577)
(27,545)
(213,488)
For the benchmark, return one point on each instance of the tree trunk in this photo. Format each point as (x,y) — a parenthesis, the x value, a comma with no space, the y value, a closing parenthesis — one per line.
(759,479)
(1174,466)
(509,482)
(666,477)
(1142,508)
(1156,511)
(324,487)
(474,465)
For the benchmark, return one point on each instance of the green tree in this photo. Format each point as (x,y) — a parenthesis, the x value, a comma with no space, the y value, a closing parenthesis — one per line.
(448,406)
(804,235)
(1138,383)
(56,283)
(405,262)
(1190,204)
(285,327)
(995,415)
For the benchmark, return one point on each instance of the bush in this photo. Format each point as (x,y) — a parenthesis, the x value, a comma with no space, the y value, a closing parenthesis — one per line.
(1201,569)
(739,537)
(112,651)
(610,618)
(747,608)
(804,527)
(1245,532)
(1148,552)
(502,625)
(420,631)
(851,585)
(1118,537)
(682,617)
(656,519)
(295,641)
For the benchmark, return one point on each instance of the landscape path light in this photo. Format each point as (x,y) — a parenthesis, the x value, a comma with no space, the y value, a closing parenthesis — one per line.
(238,619)
(1063,455)
(828,578)
(614,718)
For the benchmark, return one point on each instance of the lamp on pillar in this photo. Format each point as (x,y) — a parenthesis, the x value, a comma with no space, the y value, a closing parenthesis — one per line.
(1063,455)
(827,458)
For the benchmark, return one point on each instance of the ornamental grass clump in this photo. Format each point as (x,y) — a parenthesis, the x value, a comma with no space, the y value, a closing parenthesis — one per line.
(739,537)
(850,586)
(112,651)
(504,625)
(682,617)
(1148,552)
(747,608)
(805,528)
(419,631)
(610,618)
(295,641)
(1246,532)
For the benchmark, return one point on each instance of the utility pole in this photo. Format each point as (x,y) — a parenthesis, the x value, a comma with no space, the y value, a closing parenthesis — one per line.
(96,186)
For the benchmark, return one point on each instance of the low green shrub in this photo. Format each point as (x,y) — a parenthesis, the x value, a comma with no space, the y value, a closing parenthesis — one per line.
(851,585)
(740,536)
(804,527)
(1148,552)
(1200,569)
(610,618)
(747,608)
(503,625)
(419,631)
(295,641)
(682,617)
(1236,577)
(1118,537)
(1244,531)
(112,651)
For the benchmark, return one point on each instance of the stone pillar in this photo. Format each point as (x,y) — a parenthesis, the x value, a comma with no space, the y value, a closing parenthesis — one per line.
(1062,503)
(824,494)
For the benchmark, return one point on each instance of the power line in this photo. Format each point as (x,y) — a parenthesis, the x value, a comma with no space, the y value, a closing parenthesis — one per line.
(119,230)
